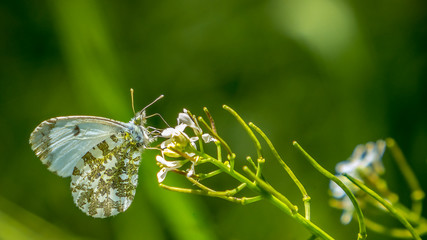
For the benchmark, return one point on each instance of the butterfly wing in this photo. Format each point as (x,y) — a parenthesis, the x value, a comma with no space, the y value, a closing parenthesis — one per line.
(61,142)
(104,182)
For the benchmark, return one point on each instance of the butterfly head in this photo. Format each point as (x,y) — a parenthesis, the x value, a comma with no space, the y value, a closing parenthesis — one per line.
(140,118)
(138,130)
(137,125)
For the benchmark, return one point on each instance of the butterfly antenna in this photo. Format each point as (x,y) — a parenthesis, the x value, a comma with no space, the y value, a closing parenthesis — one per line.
(131,96)
(157,99)
(158,115)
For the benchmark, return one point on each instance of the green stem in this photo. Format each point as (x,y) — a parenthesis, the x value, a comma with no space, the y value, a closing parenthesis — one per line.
(306,197)
(202,176)
(260,167)
(410,215)
(251,162)
(394,232)
(243,200)
(246,127)
(228,193)
(418,194)
(307,201)
(218,150)
(326,173)
(314,229)
(268,188)
(226,169)
(215,135)
(386,204)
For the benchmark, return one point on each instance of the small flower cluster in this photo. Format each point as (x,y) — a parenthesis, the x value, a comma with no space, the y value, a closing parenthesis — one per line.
(178,145)
(364,161)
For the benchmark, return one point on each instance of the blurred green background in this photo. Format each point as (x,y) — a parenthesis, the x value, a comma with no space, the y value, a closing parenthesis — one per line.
(331,74)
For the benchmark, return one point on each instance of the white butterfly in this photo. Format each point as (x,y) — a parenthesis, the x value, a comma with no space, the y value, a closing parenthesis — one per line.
(101,155)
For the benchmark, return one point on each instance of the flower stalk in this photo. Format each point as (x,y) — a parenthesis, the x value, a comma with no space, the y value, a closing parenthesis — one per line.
(183,151)
(386,204)
(306,197)
(417,194)
(362,226)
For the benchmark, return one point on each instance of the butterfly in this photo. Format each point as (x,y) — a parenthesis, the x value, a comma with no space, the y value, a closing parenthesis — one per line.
(101,155)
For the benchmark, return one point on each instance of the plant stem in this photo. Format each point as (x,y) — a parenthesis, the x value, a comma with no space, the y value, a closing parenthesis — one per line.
(306,197)
(246,127)
(266,187)
(215,135)
(314,229)
(417,194)
(362,227)
(386,204)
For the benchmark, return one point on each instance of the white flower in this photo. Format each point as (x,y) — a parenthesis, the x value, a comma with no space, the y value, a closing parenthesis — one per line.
(178,144)
(176,136)
(176,139)
(184,118)
(167,166)
(171,132)
(365,158)
(192,170)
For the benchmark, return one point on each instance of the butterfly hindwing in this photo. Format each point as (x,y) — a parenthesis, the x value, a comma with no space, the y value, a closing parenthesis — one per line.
(104,181)
(61,142)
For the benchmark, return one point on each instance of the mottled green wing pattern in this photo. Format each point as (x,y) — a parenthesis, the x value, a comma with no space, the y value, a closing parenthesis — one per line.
(104,181)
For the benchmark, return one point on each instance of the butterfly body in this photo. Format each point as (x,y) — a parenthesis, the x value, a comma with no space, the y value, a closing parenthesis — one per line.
(101,155)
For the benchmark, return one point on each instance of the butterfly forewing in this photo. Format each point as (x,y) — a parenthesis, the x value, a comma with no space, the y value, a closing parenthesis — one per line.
(61,142)
(104,181)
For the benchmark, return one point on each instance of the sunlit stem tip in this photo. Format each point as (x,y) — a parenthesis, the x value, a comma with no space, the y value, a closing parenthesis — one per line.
(251,162)
(247,129)
(294,178)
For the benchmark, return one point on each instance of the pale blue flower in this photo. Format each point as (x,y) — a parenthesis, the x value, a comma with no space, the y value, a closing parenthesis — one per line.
(365,158)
